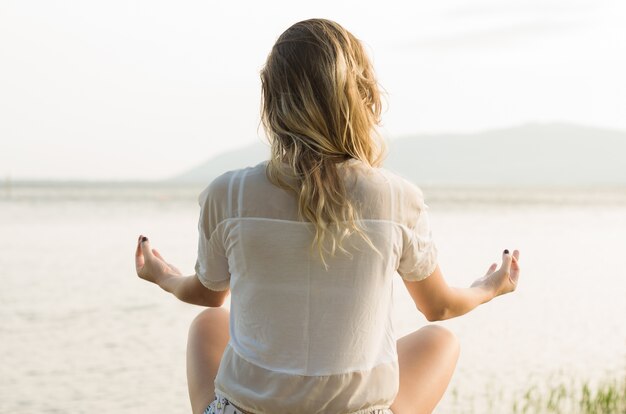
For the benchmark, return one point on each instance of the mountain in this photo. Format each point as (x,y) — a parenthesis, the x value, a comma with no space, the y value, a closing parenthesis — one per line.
(528,155)
(205,172)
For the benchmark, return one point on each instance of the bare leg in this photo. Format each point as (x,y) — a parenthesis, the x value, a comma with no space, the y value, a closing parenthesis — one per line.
(427,359)
(208,336)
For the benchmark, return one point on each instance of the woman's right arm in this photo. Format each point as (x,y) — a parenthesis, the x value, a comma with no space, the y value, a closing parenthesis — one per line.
(152,267)
(438,301)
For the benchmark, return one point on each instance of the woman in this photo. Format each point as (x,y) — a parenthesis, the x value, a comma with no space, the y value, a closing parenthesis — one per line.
(308,243)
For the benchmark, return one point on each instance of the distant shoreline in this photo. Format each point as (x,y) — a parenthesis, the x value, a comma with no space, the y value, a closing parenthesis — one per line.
(449,196)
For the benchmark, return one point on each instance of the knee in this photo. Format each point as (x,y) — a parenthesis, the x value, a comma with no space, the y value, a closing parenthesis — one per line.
(211,315)
(209,320)
(443,338)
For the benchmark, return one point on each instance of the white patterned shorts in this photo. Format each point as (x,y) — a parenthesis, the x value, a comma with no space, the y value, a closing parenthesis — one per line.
(221,406)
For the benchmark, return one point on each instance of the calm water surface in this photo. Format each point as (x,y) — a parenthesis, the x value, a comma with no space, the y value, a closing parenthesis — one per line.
(80,333)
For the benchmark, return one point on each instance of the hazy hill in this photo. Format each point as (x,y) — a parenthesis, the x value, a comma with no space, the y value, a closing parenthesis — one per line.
(528,155)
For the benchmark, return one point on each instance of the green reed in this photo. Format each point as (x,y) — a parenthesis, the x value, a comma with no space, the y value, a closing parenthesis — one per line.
(608,397)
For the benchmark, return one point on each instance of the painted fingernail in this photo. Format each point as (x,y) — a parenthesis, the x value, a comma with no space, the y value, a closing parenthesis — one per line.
(144,239)
(506,251)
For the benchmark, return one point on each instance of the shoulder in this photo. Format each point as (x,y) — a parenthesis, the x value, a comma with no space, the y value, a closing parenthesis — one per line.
(406,189)
(217,188)
(218,200)
(409,197)
(221,187)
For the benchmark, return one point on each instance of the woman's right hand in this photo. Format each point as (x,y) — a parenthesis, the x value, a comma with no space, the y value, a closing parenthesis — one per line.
(504,279)
(150,265)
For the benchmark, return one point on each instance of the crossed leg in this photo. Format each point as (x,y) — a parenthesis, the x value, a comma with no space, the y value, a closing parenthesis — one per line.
(208,336)
(427,358)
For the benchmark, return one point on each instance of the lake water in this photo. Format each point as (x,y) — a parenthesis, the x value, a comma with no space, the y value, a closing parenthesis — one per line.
(80,333)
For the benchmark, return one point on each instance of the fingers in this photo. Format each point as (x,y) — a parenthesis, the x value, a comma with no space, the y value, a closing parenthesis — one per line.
(515,262)
(491,269)
(138,249)
(144,244)
(157,254)
(515,270)
(139,260)
(142,253)
(171,266)
(507,259)
(512,269)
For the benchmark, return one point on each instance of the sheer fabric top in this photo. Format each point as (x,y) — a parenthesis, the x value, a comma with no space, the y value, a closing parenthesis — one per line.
(305,338)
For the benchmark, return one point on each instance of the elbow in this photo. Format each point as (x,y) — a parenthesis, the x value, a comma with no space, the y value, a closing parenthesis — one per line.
(431,317)
(435,315)
(215,299)
(214,303)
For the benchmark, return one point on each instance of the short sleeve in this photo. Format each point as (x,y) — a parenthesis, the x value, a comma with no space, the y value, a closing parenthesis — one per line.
(419,252)
(212,264)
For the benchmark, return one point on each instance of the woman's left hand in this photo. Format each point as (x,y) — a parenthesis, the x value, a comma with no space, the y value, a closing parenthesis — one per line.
(503,280)
(150,264)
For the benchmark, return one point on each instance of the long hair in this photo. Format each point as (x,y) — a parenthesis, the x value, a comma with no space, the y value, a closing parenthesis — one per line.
(321,105)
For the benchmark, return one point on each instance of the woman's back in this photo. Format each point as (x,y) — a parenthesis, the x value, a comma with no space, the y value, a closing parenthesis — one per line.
(305,337)
(309,243)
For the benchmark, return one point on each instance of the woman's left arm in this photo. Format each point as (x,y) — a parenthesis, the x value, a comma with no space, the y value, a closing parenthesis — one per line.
(152,267)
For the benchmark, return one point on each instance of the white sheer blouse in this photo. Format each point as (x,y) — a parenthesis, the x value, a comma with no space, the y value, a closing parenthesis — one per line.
(305,339)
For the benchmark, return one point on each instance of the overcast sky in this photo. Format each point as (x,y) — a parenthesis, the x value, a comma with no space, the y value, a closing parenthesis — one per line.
(123,89)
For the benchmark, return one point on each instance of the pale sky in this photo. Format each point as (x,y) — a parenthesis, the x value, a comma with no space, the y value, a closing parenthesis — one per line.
(123,89)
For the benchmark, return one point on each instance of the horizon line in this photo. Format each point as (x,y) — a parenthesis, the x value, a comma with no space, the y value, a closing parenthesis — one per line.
(8,179)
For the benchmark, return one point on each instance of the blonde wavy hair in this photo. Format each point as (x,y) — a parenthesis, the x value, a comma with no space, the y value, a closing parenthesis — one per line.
(321,105)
